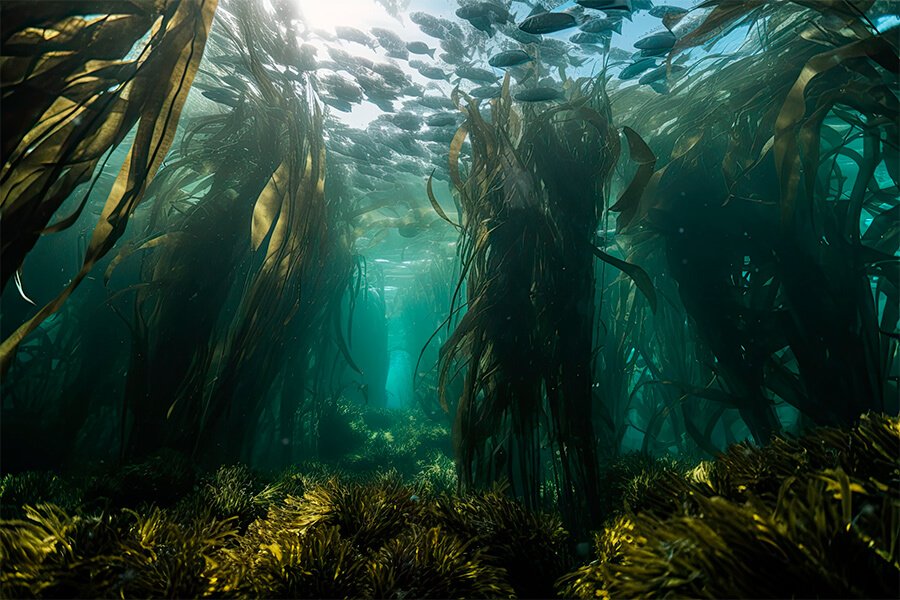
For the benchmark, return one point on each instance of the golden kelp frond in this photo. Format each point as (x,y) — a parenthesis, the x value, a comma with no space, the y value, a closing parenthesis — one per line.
(775,209)
(531,196)
(246,185)
(75,99)
(54,554)
(532,547)
(298,236)
(805,546)
(432,563)
(317,564)
(367,514)
(868,451)
(821,520)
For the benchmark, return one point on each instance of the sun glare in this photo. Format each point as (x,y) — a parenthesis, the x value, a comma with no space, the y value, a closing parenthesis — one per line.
(327,14)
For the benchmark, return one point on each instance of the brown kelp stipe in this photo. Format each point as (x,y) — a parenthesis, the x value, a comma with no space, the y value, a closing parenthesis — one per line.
(767,209)
(66,102)
(255,318)
(531,201)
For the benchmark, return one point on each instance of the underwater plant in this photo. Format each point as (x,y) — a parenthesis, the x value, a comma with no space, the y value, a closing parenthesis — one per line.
(276,232)
(316,564)
(530,201)
(431,563)
(828,527)
(366,514)
(533,548)
(69,101)
(53,554)
(778,210)
(161,479)
(232,492)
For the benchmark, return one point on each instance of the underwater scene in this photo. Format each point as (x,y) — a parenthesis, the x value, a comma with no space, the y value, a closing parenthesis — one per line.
(450,299)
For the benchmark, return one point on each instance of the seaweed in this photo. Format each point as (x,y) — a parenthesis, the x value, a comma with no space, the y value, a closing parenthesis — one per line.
(70,101)
(817,514)
(531,202)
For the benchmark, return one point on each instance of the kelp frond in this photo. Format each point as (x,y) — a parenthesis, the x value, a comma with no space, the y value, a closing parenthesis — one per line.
(74,86)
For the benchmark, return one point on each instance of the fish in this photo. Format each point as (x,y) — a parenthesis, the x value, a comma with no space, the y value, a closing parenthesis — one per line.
(548,22)
(663,40)
(413,90)
(454,46)
(352,34)
(475,74)
(341,57)
(392,74)
(605,5)
(420,48)
(400,53)
(324,35)
(387,38)
(434,73)
(342,88)
(601,25)
(593,49)
(482,24)
(421,18)
(662,11)
(484,13)
(590,38)
(514,33)
(439,135)
(428,24)
(407,121)
(654,52)
(636,68)
(441,120)
(383,104)
(660,73)
(435,102)
(338,104)
(617,54)
(510,58)
(538,94)
(485,92)
(435,31)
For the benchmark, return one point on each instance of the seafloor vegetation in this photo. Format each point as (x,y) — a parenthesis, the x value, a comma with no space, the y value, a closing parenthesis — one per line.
(816,516)
(645,332)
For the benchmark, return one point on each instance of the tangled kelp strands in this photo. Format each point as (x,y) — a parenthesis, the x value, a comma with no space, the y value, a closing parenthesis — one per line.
(819,514)
(637,284)
(317,538)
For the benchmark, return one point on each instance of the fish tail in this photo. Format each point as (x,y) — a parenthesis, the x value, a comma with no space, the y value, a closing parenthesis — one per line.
(431,52)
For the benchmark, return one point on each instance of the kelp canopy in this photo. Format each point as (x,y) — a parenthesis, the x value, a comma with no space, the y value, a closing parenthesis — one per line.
(775,206)
(669,269)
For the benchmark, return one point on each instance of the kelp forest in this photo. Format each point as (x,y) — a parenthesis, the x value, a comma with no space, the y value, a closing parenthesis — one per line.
(602,301)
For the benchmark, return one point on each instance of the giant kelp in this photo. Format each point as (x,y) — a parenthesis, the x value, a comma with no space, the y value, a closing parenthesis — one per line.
(284,259)
(73,86)
(775,206)
(530,200)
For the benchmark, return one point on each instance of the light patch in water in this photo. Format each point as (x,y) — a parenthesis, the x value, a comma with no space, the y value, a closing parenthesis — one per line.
(886,22)
(349,13)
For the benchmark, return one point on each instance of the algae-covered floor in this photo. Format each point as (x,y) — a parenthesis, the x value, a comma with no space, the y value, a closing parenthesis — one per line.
(810,517)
